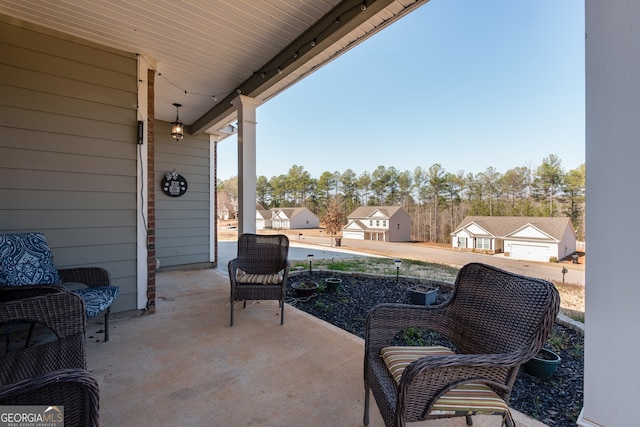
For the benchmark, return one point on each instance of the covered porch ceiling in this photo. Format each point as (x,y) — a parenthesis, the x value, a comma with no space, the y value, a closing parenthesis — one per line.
(207,52)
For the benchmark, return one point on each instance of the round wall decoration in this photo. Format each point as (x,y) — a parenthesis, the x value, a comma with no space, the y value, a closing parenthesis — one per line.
(173,184)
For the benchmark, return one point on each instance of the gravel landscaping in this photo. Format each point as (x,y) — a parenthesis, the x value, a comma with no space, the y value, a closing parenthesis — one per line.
(555,401)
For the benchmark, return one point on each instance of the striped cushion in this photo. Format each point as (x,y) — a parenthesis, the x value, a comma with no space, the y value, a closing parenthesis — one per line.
(265,279)
(466,399)
(398,358)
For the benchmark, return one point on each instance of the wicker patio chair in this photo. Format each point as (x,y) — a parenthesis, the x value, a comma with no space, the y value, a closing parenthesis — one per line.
(495,320)
(61,315)
(260,270)
(74,389)
(26,259)
(51,369)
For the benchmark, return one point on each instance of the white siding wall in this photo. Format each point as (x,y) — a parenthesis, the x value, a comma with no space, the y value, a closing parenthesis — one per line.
(68,149)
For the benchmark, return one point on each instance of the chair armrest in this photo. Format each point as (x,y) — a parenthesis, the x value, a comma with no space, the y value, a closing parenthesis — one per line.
(233,266)
(90,276)
(285,271)
(53,306)
(75,389)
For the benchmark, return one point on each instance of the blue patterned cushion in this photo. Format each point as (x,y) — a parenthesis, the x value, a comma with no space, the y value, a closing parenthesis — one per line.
(98,299)
(25,259)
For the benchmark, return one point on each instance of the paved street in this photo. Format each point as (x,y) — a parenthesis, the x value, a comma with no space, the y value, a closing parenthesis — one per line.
(320,247)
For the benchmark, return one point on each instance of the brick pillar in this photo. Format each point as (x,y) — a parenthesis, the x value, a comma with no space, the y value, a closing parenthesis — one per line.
(151,197)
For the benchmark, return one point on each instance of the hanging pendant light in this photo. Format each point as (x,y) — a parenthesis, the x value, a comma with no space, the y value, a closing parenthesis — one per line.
(177,128)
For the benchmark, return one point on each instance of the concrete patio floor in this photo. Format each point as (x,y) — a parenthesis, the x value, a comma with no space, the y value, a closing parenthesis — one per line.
(185,366)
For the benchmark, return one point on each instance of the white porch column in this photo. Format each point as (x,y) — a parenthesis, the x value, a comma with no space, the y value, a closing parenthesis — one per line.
(613,201)
(142,202)
(246,163)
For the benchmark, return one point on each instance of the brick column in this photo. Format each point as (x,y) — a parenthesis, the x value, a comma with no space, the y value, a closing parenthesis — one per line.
(151,197)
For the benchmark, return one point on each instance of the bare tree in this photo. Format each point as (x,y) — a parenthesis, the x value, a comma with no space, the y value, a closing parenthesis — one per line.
(334,219)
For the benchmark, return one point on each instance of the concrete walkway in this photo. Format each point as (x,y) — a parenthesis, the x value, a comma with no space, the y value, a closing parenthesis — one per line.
(185,366)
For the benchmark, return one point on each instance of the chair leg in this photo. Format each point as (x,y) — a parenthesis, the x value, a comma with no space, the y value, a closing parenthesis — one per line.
(282,312)
(232,312)
(508,421)
(106,324)
(365,420)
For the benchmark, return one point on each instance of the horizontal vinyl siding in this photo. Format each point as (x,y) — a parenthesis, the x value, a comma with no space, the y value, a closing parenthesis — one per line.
(68,149)
(183,223)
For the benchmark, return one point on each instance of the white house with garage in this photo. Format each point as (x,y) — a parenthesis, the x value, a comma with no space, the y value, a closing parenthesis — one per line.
(382,223)
(527,238)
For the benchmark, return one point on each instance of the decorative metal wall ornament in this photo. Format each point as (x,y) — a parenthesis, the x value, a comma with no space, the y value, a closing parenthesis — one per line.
(173,184)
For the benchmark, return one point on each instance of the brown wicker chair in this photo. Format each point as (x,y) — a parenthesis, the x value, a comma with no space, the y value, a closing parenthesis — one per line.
(74,389)
(260,270)
(60,312)
(496,321)
(53,371)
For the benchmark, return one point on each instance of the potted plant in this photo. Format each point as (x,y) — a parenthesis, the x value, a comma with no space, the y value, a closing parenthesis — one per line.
(422,294)
(543,364)
(304,288)
(333,283)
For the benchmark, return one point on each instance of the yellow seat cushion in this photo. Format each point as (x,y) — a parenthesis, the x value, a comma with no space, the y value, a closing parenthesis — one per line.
(265,279)
(466,399)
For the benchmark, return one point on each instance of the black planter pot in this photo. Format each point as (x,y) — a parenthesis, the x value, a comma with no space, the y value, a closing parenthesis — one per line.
(422,294)
(304,288)
(333,283)
(543,365)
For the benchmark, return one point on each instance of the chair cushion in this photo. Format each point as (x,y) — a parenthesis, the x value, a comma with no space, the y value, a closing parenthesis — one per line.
(26,259)
(265,279)
(98,299)
(397,358)
(466,399)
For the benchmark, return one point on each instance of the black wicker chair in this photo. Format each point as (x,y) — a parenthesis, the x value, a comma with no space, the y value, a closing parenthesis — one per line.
(74,389)
(495,321)
(20,252)
(260,270)
(50,370)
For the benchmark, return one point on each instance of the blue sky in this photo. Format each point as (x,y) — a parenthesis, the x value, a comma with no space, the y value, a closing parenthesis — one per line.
(467,84)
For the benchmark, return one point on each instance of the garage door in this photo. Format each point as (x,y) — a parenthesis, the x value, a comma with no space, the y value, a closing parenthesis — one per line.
(530,252)
(353,235)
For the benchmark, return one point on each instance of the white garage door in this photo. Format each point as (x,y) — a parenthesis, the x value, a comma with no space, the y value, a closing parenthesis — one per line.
(530,252)
(353,235)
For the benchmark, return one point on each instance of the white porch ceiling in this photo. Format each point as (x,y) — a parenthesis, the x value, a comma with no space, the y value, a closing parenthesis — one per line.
(216,47)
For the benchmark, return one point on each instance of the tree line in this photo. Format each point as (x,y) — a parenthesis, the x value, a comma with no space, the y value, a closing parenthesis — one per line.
(435,199)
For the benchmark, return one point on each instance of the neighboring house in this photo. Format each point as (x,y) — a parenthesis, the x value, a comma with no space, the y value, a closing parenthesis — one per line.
(294,218)
(227,207)
(528,238)
(263,217)
(383,223)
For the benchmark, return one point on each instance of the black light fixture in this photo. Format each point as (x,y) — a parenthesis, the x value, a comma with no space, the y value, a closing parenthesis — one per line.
(398,263)
(310,258)
(177,128)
